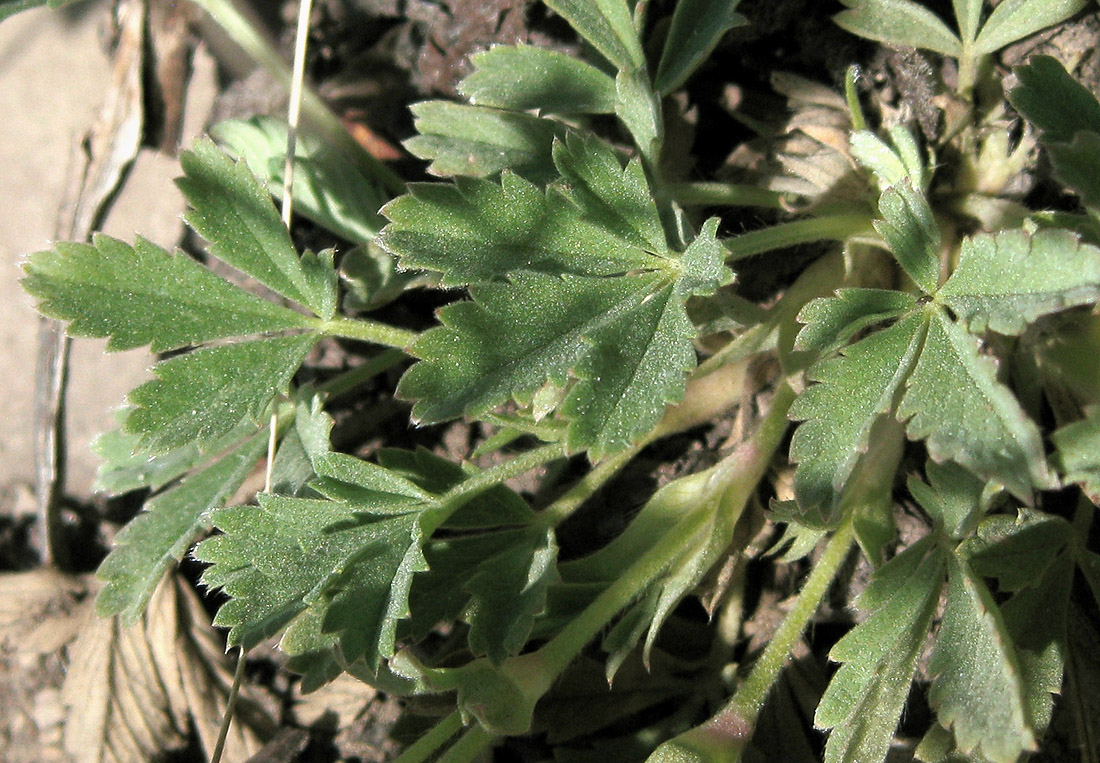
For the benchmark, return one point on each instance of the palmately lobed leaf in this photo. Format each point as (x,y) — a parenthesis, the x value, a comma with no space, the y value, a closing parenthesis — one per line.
(1007,280)
(838,412)
(143,295)
(956,403)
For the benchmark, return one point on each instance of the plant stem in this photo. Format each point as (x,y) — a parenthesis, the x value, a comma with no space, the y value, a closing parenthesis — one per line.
(365,330)
(438,736)
(352,378)
(724,195)
(833,227)
(747,465)
(556,513)
(315,112)
(469,746)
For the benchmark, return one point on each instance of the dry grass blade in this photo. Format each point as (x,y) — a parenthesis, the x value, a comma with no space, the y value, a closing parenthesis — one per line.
(134,693)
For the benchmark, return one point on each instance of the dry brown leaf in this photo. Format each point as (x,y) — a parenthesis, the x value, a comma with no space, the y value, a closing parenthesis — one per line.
(40,610)
(343,699)
(132,693)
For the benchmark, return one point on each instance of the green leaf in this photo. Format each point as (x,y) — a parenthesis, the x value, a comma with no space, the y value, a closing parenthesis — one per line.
(977,688)
(328,190)
(1017,551)
(639,108)
(579,302)
(155,540)
(1014,20)
(1078,447)
(235,214)
(595,180)
(899,23)
(882,160)
(955,402)
(852,392)
(206,394)
(128,466)
(288,554)
(144,295)
(952,497)
(910,230)
(476,230)
(1007,280)
(508,591)
(697,26)
(607,25)
(526,78)
(1076,164)
(866,696)
(1053,101)
(473,141)
(832,321)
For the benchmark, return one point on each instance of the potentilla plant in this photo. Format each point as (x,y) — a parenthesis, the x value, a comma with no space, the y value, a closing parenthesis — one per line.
(597,311)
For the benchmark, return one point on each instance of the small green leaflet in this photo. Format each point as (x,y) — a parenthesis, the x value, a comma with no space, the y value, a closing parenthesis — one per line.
(608,26)
(1014,20)
(832,321)
(526,78)
(977,686)
(573,285)
(144,295)
(1079,451)
(474,141)
(910,231)
(1054,101)
(697,26)
(955,402)
(1007,281)
(235,214)
(899,22)
(952,497)
(852,391)
(865,697)
(205,394)
(157,539)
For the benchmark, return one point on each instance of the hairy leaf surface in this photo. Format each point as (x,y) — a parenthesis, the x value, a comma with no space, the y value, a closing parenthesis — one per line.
(1014,20)
(1079,450)
(838,412)
(977,687)
(143,295)
(525,78)
(865,698)
(909,228)
(158,538)
(899,22)
(955,401)
(474,141)
(1054,101)
(1005,281)
(235,214)
(205,394)
(570,285)
(277,559)
(952,496)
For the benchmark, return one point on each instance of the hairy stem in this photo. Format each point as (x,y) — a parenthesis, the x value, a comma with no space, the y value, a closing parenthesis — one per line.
(469,747)
(746,467)
(364,330)
(350,379)
(831,228)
